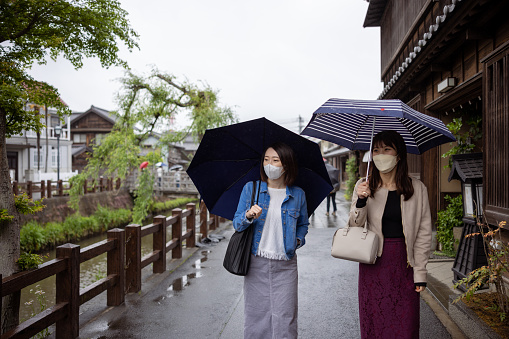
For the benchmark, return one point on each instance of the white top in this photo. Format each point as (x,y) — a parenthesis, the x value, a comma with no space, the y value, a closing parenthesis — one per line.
(272,242)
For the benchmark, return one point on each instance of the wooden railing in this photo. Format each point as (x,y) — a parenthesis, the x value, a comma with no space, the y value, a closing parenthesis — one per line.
(120,273)
(48,189)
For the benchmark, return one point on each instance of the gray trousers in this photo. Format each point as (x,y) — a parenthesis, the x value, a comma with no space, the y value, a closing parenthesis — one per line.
(271,299)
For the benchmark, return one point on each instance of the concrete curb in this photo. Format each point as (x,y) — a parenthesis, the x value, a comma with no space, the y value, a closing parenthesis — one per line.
(442,315)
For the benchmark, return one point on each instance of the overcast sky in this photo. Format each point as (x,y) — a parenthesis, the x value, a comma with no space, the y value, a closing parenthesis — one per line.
(277,59)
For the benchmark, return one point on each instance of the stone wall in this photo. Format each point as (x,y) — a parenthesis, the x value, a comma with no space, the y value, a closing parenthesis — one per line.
(57,208)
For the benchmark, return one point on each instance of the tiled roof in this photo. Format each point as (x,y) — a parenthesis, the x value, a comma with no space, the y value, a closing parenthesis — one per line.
(466,167)
(99,111)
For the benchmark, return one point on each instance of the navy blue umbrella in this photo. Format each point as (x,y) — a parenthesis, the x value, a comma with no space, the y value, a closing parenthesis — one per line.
(352,124)
(229,157)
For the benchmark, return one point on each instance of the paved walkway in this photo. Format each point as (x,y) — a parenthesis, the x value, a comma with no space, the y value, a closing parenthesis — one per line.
(198,298)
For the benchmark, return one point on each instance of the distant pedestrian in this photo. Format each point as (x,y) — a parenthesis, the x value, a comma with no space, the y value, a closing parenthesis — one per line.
(159,175)
(332,196)
(396,207)
(177,179)
(280,220)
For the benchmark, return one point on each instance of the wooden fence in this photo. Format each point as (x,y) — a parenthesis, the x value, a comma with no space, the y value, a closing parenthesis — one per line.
(48,190)
(122,276)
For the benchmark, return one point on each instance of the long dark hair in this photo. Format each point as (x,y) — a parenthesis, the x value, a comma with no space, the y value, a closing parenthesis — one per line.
(403,181)
(288,160)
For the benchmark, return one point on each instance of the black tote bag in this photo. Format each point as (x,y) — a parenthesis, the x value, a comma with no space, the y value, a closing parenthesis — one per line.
(238,254)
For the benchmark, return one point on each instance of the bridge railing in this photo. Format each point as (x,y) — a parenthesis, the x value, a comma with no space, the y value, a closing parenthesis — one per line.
(49,189)
(120,273)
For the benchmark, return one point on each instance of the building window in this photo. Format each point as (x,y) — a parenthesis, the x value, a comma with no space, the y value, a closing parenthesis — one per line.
(79,138)
(99,138)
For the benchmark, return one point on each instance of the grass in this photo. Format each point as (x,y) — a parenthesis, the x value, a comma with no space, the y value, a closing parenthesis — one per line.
(36,237)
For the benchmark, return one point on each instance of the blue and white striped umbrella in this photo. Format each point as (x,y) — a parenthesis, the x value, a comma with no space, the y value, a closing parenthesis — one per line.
(353,123)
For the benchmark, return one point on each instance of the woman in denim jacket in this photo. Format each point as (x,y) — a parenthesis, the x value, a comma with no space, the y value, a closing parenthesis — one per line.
(280,222)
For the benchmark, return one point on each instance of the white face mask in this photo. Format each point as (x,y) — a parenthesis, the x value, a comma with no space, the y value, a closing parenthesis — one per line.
(273,172)
(385,162)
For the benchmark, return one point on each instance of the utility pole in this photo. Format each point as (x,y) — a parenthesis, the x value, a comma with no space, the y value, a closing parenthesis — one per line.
(301,126)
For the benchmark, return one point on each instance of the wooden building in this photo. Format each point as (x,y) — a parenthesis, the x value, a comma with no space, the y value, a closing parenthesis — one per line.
(88,129)
(450,59)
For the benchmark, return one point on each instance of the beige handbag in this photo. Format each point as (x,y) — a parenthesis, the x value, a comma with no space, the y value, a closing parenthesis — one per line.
(356,244)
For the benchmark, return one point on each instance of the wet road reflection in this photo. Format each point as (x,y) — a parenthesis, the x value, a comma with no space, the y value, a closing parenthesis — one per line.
(181,283)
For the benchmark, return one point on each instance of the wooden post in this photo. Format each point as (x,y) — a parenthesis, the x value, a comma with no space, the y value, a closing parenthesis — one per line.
(49,188)
(159,243)
(60,188)
(115,265)
(29,189)
(191,225)
(101,184)
(15,188)
(43,189)
(68,290)
(133,258)
(176,232)
(204,226)
(85,188)
(118,184)
(94,185)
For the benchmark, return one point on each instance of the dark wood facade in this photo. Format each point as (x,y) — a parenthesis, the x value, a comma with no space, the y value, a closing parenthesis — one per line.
(425,42)
(88,129)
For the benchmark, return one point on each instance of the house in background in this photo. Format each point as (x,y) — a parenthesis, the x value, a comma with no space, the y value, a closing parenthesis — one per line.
(181,153)
(33,157)
(88,129)
(450,59)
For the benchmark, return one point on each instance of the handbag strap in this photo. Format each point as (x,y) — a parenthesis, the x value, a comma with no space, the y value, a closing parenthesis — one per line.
(253,193)
(365,229)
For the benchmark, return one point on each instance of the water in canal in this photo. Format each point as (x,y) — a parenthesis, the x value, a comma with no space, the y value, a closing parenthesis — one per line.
(36,297)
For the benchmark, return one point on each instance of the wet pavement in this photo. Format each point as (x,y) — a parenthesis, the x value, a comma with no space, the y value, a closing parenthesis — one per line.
(198,298)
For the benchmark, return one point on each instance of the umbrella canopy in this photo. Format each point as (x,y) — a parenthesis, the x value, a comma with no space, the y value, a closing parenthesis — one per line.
(176,168)
(229,157)
(143,164)
(352,124)
(333,174)
(160,164)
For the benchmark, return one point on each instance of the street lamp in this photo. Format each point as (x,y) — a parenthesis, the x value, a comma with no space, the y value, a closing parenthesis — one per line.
(58,130)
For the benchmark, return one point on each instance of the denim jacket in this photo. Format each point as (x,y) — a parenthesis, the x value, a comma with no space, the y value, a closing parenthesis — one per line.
(294,216)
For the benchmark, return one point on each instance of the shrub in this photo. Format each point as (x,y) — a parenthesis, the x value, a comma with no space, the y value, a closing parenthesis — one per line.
(28,261)
(107,218)
(497,253)
(171,204)
(353,176)
(32,237)
(54,233)
(448,219)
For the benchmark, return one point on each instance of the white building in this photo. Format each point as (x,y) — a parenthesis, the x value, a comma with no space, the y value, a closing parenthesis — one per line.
(27,162)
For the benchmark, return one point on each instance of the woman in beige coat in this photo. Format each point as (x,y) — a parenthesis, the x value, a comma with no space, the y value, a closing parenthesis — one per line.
(396,208)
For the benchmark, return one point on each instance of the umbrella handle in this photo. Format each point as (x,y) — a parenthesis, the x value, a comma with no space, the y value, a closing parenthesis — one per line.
(258,193)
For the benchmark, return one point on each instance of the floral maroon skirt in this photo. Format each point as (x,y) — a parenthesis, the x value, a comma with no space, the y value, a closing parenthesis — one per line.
(388,302)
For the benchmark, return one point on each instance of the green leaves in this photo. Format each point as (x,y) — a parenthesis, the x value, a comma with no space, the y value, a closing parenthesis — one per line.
(466,140)
(33,30)
(352,171)
(446,221)
(148,106)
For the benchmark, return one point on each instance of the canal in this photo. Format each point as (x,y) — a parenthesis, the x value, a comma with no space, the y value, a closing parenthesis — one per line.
(35,298)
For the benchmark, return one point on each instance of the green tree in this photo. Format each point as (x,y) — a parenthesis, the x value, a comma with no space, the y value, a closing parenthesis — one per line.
(352,171)
(31,31)
(148,104)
